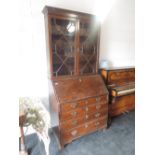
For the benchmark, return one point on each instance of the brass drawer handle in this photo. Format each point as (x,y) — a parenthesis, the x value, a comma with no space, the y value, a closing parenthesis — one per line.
(87,116)
(74,122)
(97,123)
(86,108)
(74,113)
(98,99)
(86,125)
(97,115)
(74,133)
(74,105)
(98,106)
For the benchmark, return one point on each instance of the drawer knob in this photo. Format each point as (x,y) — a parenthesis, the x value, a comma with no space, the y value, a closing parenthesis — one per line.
(74,113)
(74,105)
(74,133)
(98,106)
(97,115)
(86,125)
(97,123)
(86,108)
(87,116)
(74,122)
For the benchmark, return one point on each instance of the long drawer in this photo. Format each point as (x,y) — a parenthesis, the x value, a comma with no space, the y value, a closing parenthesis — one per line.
(84,129)
(65,107)
(69,124)
(82,111)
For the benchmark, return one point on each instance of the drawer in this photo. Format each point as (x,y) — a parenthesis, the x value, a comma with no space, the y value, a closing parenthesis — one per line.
(97,114)
(78,112)
(95,125)
(84,129)
(72,105)
(99,99)
(72,123)
(96,107)
(69,124)
(77,104)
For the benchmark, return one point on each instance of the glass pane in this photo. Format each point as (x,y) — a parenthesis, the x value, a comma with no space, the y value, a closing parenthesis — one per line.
(88,48)
(63,46)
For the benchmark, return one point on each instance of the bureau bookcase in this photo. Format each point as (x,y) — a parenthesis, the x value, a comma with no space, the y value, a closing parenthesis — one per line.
(77,93)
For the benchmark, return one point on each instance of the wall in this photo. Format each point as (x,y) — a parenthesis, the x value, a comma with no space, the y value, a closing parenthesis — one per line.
(117,34)
(117,37)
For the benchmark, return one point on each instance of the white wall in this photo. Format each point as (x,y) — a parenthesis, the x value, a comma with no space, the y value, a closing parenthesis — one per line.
(117,37)
(117,34)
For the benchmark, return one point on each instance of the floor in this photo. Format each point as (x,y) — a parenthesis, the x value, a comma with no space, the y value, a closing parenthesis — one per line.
(119,139)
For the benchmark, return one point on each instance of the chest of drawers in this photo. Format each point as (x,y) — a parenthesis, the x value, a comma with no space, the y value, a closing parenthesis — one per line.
(82,106)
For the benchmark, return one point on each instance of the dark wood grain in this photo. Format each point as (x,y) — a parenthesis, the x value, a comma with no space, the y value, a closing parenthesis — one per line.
(77,93)
(84,86)
(120,80)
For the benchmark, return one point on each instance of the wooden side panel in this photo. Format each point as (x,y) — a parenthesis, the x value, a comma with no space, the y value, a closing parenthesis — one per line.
(122,104)
(54,103)
(70,124)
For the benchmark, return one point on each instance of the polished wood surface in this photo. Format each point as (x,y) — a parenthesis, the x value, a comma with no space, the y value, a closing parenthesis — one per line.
(79,85)
(78,105)
(77,93)
(122,104)
(73,52)
(83,129)
(121,85)
(118,76)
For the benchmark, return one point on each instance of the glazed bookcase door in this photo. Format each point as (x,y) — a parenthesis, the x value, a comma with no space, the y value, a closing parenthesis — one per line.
(88,47)
(63,46)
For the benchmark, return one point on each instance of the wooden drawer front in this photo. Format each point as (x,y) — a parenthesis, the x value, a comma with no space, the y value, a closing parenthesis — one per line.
(71,106)
(97,124)
(96,107)
(83,129)
(99,99)
(96,115)
(79,112)
(79,87)
(79,104)
(69,124)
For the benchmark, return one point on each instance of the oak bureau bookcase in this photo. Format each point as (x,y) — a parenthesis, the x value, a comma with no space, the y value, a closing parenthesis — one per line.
(77,93)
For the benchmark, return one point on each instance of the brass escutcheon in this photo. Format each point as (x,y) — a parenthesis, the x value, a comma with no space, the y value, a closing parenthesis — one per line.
(74,122)
(97,123)
(97,115)
(74,113)
(74,133)
(74,105)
